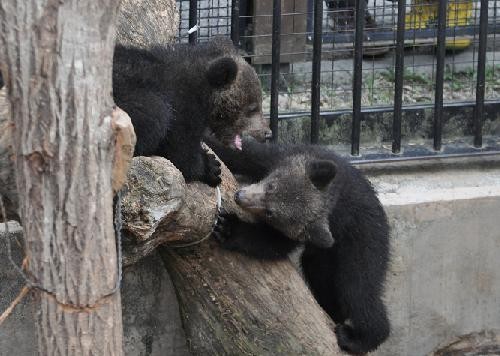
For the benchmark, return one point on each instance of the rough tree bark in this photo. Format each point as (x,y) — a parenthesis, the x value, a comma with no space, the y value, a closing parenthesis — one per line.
(146,23)
(8,188)
(234,305)
(56,58)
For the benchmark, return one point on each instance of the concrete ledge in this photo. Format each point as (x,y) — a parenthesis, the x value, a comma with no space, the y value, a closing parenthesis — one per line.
(436,186)
(444,280)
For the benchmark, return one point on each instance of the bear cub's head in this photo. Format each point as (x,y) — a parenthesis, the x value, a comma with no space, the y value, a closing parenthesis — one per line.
(236,98)
(294,199)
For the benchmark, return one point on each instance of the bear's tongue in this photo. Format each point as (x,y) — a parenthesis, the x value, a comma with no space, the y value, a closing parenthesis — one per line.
(237,142)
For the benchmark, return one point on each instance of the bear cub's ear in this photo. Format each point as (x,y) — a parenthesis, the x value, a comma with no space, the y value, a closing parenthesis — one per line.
(222,72)
(321,172)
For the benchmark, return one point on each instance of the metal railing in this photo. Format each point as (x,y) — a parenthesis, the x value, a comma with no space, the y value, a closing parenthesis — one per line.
(398,36)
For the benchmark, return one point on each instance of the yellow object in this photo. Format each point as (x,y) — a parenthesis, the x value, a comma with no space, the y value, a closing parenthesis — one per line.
(422,12)
(459,13)
(425,12)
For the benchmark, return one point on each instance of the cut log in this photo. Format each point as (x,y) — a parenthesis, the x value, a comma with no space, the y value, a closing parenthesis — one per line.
(234,305)
(159,207)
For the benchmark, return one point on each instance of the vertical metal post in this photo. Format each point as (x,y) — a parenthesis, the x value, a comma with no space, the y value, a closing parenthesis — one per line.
(357,85)
(440,55)
(235,22)
(316,70)
(193,20)
(399,78)
(275,67)
(481,71)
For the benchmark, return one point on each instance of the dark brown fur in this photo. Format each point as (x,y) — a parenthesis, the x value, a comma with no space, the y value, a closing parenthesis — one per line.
(307,195)
(175,94)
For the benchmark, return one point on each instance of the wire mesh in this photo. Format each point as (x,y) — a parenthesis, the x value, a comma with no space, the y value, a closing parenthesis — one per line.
(378,74)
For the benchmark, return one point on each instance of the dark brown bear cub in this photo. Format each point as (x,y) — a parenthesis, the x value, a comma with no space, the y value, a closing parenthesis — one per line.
(307,195)
(175,94)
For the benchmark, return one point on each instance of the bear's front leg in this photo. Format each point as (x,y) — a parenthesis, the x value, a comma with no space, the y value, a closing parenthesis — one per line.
(252,239)
(212,169)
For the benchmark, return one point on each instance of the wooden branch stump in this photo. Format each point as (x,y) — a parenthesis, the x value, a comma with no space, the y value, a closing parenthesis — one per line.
(158,207)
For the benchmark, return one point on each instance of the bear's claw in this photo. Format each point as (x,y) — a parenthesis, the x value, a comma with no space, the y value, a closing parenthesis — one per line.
(212,170)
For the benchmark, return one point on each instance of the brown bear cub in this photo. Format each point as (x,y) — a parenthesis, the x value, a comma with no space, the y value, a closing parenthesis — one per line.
(175,94)
(309,196)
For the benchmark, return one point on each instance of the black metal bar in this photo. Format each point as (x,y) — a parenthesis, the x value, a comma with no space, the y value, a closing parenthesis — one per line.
(481,71)
(426,158)
(316,70)
(357,82)
(235,22)
(440,54)
(399,78)
(275,67)
(490,106)
(193,20)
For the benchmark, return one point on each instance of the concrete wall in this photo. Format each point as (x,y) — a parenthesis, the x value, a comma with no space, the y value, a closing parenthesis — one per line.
(445,277)
(444,280)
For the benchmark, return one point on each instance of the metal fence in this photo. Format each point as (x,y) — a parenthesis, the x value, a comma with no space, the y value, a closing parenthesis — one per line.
(375,79)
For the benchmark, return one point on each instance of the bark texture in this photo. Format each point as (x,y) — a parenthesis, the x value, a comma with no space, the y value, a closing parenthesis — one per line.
(486,342)
(159,207)
(146,23)
(7,177)
(57,58)
(234,305)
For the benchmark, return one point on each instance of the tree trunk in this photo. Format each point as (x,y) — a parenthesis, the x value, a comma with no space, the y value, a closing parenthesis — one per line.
(57,58)
(147,23)
(234,305)
(8,189)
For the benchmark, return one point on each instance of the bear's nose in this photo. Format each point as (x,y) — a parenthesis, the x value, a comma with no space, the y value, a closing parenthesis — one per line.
(238,196)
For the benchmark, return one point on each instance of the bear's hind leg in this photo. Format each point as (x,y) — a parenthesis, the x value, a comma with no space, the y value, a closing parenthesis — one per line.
(368,327)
